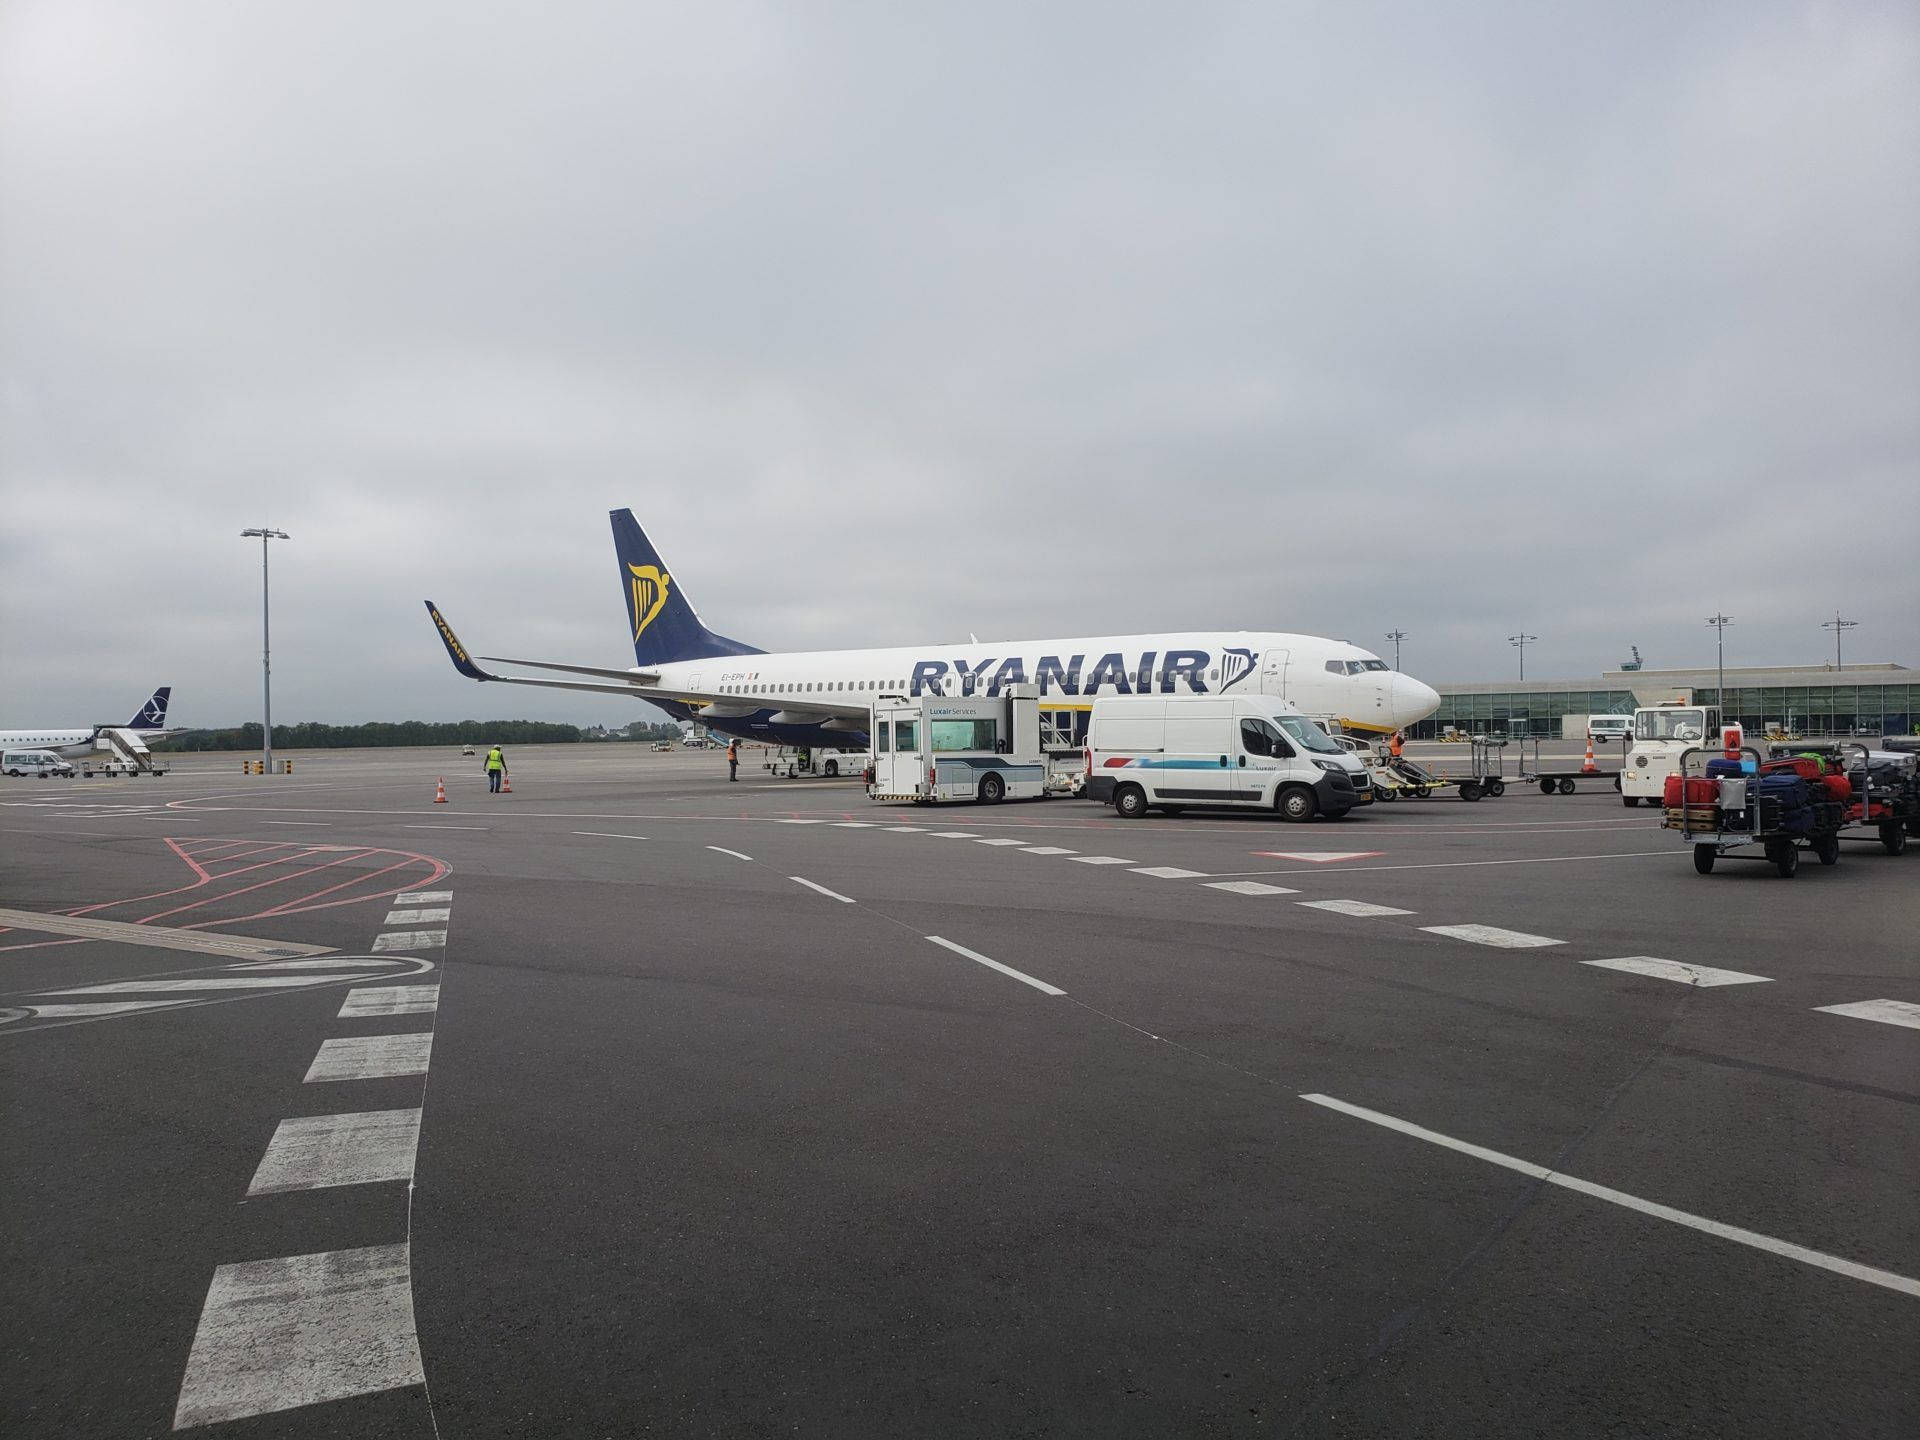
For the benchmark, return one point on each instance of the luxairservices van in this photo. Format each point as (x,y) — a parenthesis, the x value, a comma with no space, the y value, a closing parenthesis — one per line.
(1246,751)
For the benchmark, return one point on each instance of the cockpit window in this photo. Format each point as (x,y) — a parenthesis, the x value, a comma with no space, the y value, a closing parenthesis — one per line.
(1336,667)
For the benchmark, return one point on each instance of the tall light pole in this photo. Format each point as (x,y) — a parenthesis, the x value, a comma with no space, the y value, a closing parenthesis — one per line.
(266,644)
(1396,636)
(1522,640)
(1838,626)
(1720,623)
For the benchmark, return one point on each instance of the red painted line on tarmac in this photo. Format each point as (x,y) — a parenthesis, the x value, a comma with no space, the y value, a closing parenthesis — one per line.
(359,854)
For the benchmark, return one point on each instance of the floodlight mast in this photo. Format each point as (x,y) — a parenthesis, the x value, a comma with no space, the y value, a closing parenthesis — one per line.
(264,535)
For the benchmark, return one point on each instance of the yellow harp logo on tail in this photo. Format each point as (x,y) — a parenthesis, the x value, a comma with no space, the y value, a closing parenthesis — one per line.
(649,595)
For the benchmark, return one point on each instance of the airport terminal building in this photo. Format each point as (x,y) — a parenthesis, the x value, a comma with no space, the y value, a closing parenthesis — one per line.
(1880,699)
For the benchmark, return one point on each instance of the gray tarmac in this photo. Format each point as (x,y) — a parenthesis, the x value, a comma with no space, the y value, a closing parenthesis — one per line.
(677,1144)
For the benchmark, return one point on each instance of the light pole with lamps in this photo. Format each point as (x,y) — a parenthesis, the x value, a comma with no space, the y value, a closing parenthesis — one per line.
(1839,627)
(1522,640)
(1396,636)
(1720,623)
(266,644)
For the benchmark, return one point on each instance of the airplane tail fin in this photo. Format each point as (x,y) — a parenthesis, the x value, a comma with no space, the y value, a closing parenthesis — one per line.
(153,714)
(664,624)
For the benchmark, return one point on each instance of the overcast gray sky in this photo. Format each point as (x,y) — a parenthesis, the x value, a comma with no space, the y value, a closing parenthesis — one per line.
(896,322)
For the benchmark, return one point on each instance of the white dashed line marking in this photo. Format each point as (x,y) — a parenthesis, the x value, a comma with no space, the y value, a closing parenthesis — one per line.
(1047,850)
(423,897)
(722,850)
(999,840)
(1099,860)
(418,916)
(1352,907)
(322,823)
(444,827)
(799,822)
(830,894)
(905,830)
(278,1334)
(1701,975)
(371,1057)
(370,1000)
(410,940)
(1887,1012)
(1492,935)
(1249,887)
(954,835)
(317,1152)
(978,958)
(1849,1268)
(607,835)
(204,982)
(1168,872)
(854,825)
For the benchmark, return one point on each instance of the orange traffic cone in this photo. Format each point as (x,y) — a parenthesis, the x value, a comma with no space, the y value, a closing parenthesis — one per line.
(439,790)
(1588,767)
(506,783)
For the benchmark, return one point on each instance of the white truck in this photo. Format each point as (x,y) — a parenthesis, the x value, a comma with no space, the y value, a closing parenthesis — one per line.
(1250,751)
(931,750)
(1661,735)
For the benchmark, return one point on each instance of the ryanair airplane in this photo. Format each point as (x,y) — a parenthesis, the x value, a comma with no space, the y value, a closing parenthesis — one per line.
(822,698)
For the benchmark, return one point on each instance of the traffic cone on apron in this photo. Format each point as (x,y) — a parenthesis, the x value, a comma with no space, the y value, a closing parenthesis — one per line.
(439,790)
(506,783)
(1588,767)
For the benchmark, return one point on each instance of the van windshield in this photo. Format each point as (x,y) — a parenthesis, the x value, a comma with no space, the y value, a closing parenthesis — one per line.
(1306,734)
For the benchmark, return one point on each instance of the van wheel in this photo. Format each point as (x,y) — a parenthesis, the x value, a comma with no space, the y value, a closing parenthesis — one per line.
(833,770)
(1632,802)
(992,790)
(1130,801)
(14,773)
(1296,803)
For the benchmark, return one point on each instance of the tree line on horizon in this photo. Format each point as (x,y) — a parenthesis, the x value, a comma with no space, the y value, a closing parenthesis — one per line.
(396,734)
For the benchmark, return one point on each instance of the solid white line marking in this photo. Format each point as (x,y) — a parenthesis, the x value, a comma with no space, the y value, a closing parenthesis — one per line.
(608,835)
(1249,887)
(322,823)
(975,955)
(371,1000)
(371,1057)
(1168,872)
(1047,850)
(1758,1241)
(734,853)
(205,982)
(999,840)
(1099,860)
(422,897)
(1887,1012)
(445,827)
(1492,935)
(98,1008)
(166,937)
(1320,857)
(830,894)
(278,1334)
(853,825)
(419,916)
(797,822)
(316,1152)
(1352,907)
(410,940)
(1704,976)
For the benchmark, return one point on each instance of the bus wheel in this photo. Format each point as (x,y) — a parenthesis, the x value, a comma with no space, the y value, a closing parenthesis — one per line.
(992,789)
(1130,801)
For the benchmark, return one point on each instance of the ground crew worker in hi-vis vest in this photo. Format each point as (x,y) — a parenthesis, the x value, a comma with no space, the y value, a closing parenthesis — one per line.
(496,768)
(733,760)
(1396,744)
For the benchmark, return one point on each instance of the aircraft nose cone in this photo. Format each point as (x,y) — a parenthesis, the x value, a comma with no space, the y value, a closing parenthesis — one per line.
(1412,700)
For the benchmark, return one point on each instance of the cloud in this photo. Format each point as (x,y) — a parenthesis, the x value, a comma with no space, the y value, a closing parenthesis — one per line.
(895,326)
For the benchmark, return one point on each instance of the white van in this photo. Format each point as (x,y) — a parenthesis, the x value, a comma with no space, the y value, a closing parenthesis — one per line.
(1609,727)
(1254,751)
(34,762)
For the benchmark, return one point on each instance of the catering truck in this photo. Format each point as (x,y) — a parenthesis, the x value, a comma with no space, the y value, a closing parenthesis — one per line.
(1661,735)
(1249,751)
(930,749)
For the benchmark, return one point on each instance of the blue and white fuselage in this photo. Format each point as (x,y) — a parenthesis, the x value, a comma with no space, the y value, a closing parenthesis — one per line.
(822,698)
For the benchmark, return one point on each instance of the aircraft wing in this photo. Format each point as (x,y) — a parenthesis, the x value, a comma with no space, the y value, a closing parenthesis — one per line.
(640,684)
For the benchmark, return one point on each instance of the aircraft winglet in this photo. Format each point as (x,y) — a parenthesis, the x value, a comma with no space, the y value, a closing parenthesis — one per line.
(456,652)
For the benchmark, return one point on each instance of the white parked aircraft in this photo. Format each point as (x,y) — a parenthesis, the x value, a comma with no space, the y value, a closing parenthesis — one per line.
(821,698)
(77,740)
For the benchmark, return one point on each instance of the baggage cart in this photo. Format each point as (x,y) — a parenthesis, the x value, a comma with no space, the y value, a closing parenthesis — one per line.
(1485,775)
(1564,781)
(1739,817)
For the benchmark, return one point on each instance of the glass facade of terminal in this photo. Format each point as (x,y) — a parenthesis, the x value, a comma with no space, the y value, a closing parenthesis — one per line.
(1799,709)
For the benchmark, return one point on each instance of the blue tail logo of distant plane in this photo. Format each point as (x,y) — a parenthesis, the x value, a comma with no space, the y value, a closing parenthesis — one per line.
(665,626)
(153,714)
(1235,665)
